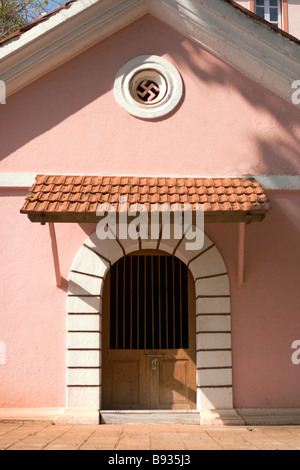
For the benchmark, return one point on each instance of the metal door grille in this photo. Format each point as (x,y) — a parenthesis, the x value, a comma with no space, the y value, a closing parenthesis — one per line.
(149,303)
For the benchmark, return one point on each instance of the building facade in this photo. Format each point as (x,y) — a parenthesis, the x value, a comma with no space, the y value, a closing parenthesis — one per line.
(139,105)
(282,13)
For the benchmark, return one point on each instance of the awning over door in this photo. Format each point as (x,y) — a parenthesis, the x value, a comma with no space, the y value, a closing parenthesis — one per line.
(77,198)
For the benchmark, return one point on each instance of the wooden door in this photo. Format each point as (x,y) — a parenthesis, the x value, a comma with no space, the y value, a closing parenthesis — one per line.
(149,335)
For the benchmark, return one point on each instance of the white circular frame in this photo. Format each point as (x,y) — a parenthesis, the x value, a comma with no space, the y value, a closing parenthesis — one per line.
(152,68)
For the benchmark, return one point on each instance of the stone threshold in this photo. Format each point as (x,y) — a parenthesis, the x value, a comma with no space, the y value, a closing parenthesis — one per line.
(87,416)
(149,417)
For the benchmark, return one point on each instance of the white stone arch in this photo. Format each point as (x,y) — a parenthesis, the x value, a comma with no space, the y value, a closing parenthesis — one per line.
(213,320)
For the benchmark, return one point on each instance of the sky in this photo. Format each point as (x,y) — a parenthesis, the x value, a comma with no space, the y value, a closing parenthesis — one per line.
(53,4)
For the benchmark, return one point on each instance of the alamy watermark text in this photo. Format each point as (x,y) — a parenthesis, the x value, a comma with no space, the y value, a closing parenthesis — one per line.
(163,222)
(296,354)
(2,92)
(296,93)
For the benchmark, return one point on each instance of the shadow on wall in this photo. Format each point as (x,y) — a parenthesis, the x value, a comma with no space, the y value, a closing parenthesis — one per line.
(63,92)
(273,150)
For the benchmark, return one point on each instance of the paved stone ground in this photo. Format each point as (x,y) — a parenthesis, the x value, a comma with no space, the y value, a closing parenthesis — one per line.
(44,436)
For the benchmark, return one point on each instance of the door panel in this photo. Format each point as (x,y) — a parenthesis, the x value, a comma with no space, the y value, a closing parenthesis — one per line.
(136,376)
(173,375)
(127,380)
(125,387)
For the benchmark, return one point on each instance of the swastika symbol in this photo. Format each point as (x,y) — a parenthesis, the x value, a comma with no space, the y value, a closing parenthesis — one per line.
(148,91)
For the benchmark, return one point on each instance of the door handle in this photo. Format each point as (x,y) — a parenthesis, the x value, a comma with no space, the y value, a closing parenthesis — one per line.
(154,365)
(155,355)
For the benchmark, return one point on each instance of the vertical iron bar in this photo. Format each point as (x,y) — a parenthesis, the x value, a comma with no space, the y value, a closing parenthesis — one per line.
(130,294)
(124,303)
(117,305)
(167,313)
(180,304)
(159,301)
(138,303)
(145,301)
(152,301)
(174,303)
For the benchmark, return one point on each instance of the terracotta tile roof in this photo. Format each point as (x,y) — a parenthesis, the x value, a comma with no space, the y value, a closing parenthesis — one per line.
(65,198)
(31,25)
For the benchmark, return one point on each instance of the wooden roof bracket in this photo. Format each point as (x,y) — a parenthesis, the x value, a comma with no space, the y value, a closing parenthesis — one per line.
(241,253)
(55,254)
(241,248)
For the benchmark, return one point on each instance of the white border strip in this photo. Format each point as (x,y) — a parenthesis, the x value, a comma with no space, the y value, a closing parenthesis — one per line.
(17,180)
(268,182)
(279,182)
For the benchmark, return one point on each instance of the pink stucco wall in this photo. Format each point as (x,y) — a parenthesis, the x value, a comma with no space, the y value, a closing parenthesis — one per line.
(69,122)
(33,311)
(265,310)
(294,17)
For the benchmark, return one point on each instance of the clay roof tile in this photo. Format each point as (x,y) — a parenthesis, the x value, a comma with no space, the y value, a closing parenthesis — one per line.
(82,194)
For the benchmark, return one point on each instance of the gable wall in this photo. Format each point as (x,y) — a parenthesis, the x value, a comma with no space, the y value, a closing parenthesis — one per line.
(69,121)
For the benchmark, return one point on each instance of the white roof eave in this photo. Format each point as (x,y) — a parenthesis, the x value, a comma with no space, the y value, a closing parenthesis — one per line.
(258,51)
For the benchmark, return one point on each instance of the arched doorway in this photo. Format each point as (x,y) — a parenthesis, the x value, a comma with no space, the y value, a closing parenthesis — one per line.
(149,342)
(85,327)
